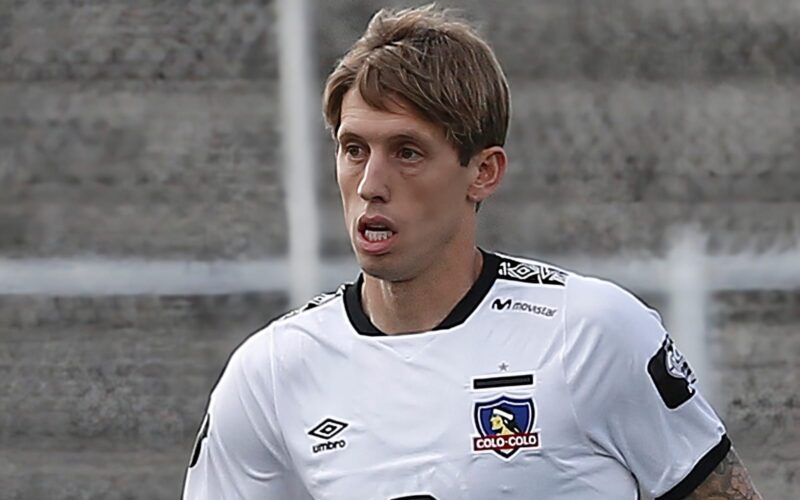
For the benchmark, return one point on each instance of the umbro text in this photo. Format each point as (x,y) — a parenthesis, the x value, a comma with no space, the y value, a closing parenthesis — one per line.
(329,445)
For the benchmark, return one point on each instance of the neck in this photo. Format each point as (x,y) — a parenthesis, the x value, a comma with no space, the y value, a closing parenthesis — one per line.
(421,303)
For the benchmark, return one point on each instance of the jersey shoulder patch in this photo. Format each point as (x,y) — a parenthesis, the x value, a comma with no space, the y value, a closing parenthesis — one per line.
(530,272)
(315,302)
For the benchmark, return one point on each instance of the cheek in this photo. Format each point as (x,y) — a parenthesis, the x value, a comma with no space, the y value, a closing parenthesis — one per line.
(347,185)
(440,205)
(447,194)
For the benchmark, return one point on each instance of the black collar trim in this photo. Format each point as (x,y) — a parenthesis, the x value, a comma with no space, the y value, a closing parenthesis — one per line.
(459,314)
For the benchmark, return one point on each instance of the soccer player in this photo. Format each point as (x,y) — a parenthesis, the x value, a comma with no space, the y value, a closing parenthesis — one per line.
(446,371)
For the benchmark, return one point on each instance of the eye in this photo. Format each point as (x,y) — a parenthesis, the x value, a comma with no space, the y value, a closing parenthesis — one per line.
(353,151)
(409,154)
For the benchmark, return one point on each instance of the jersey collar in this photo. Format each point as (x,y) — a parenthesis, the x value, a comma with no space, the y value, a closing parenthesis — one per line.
(362,324)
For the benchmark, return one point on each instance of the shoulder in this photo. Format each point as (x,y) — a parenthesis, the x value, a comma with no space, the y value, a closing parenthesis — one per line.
(608,334)
(284,333)
(529,271)
(596,301)
(315,304)
(608,324)
(587,297)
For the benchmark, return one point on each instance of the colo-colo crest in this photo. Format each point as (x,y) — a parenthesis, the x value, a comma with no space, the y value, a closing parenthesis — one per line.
(505,426)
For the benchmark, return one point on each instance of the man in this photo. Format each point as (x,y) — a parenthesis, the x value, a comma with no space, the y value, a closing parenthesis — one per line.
(405,383)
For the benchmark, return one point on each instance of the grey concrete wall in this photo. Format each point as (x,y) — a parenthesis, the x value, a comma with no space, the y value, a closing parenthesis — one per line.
(101,397)
(756,344)
(150,129)
(140,129)
(630,117)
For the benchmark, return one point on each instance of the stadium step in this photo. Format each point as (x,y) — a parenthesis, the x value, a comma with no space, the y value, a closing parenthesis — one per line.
(116,373)
(69,475)
(223,40)
(147,41)
(570,143)
(525,225)
(648,39)
(166,172)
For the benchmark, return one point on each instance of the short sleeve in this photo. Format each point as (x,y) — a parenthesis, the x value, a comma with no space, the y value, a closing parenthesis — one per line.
(239,453)
(634,394)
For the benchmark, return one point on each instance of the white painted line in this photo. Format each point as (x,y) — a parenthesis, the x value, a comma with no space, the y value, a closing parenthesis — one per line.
(773,271)
(71,277)
(103,276)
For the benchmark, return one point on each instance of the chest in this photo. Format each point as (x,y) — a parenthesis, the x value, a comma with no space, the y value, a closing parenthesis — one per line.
(486,417)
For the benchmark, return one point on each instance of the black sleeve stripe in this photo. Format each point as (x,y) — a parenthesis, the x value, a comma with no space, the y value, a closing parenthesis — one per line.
(701,471)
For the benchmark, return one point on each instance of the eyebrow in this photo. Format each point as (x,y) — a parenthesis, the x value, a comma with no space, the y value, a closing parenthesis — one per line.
(405,135)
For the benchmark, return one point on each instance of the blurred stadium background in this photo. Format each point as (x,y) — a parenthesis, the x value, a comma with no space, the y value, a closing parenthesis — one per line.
(145,194)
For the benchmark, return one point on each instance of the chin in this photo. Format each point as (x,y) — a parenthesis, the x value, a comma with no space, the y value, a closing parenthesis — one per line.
(382,268)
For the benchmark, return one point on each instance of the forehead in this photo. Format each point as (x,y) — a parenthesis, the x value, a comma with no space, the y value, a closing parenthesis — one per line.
(358,117)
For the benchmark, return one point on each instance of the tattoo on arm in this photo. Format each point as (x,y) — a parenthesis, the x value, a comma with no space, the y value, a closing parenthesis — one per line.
(729,481)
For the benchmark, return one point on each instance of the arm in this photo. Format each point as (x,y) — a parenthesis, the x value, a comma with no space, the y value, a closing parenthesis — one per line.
(649,416)
(729,481)
(239,453)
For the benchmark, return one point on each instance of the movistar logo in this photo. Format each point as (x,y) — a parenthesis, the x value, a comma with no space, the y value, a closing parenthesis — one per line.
(521,305)
(500,304)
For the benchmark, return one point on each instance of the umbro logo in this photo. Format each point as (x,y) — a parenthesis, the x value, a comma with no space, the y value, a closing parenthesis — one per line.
(500,304)
(327,430)
(531,273)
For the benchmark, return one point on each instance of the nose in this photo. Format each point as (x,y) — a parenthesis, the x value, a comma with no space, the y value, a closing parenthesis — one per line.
(374,184)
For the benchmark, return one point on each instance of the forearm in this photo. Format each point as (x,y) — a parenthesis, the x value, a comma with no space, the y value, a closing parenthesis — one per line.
(729,481)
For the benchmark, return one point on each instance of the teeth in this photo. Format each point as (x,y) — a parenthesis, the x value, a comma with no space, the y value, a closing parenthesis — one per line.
(373,235)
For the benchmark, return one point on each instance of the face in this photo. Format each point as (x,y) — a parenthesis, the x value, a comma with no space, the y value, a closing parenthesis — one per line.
(404,192)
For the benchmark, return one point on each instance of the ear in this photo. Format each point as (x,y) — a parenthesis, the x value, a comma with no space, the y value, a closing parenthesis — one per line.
(490,167)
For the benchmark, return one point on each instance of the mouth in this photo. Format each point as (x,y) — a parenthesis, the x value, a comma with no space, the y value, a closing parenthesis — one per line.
(376,234)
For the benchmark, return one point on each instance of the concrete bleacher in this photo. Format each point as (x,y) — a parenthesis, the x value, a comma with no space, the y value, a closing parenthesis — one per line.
(124,168)
(755,342)
(102,395)
(151,130)
(632,117)
(612,39)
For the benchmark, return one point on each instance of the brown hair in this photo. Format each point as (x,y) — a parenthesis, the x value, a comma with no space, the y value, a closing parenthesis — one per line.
(434,62)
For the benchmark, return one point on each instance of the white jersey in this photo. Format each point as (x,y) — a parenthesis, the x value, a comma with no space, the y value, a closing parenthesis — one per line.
(540,384)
